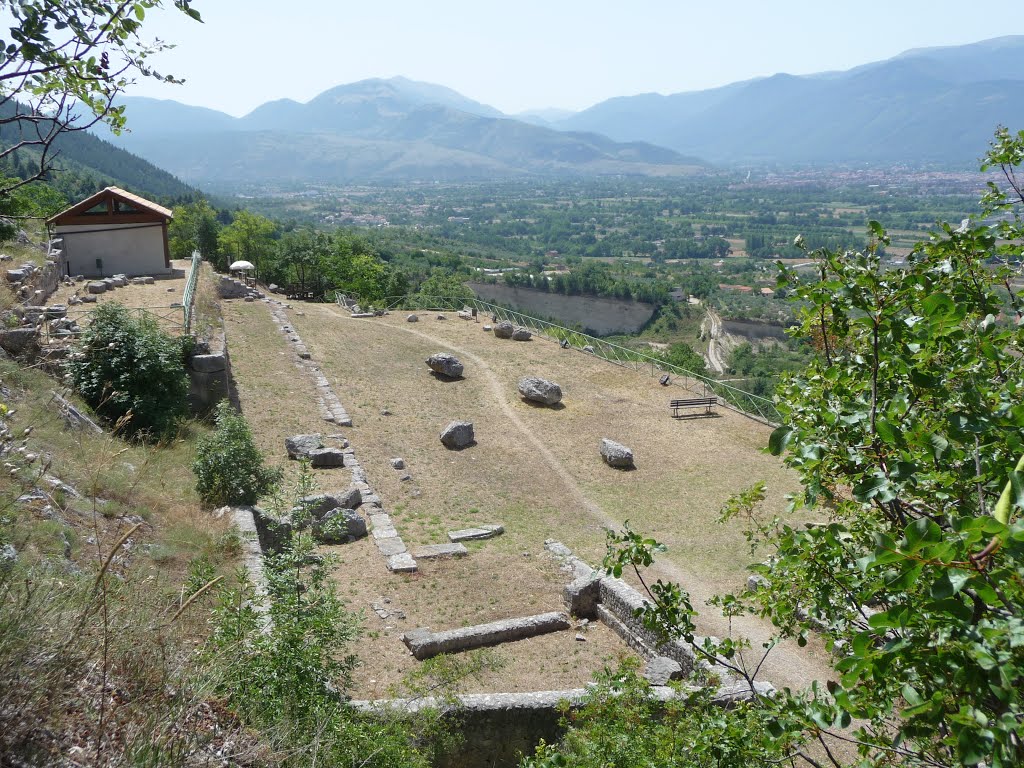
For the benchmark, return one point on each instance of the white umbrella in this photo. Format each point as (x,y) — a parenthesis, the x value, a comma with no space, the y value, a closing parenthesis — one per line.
(238,266)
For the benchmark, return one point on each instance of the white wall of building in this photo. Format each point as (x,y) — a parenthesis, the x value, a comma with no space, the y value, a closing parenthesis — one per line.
(128,249)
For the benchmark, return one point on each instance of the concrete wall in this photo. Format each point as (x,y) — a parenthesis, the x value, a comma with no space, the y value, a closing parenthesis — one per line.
(754,330)
(595,315)
(131,249)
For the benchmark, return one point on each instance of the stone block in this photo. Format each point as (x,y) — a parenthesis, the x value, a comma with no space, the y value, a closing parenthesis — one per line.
(350,498)
(425,644)
(97,286)
(402,563)
(582,595)
(327,458)
(301,446)
(475,534)
(434,551)
(390,546)
(208,363)
(19,341)
(661,669)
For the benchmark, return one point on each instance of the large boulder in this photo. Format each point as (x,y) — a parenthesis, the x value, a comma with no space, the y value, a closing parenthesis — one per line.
(20,342)
(540,390)
(616,454)
(318,505)
(661,670)
(413,318)
(340,526)
(521,334)
(504,330)
(457,435)
(302,446)
(445,364)
(350,498)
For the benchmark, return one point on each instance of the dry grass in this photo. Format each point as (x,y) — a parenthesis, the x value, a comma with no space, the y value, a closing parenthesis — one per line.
(535,470)
(98,671)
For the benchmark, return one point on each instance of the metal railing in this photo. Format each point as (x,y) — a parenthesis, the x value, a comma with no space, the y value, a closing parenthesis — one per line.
(754,406)
(188,300)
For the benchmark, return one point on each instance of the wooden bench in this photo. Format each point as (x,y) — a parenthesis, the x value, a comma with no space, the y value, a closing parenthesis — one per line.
(707,403)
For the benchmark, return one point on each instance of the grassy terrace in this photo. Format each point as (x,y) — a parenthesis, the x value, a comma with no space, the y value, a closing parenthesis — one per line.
(536,470)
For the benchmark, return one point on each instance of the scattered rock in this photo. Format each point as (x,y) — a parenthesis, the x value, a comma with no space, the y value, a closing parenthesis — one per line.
(385,412)
(326,458)
(446,364)
(457,435)
(661,669)
(405,478)
(88,299)
(487,328)
(504,330)
(755,581)
(398,463)
(616,454)
(540,390)
(589,349)
(302,446)
(8,557)
(97,286)
(441,317)
(412,318)
(521,334)
(581,638)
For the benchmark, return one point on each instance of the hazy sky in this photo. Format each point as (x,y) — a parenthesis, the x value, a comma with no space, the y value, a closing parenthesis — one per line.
(532,54)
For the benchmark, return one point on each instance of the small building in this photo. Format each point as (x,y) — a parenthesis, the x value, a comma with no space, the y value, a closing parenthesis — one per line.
(114,233)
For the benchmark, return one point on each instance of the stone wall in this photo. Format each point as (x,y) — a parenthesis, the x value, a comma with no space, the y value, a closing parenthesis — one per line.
(593,314)
(209,375)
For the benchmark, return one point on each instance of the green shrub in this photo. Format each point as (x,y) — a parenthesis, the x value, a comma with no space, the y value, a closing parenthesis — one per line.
(131,372)
(228,465)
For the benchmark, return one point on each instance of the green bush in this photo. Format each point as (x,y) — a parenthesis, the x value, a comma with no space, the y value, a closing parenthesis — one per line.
(228,465)
(131,372)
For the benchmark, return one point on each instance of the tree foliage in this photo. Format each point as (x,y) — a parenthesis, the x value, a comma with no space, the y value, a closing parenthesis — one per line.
(907,432)
(64,64)
(228,466)
(130,371)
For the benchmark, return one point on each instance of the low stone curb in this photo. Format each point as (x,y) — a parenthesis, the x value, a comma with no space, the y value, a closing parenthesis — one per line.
(424,644)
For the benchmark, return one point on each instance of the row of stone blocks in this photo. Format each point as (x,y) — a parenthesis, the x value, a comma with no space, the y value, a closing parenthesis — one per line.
(329,406)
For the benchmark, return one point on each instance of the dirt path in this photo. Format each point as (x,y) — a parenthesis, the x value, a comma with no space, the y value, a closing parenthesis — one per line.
(787,665)
(714,326)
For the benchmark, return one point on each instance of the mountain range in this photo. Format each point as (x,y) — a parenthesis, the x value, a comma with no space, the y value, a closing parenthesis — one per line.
(925,106)
(375,130)
(935,106)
